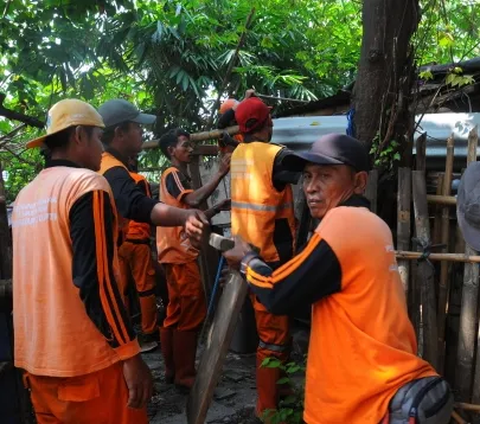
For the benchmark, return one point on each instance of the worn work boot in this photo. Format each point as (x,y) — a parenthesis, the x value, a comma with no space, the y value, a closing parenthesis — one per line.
(185,348)
(166,346)
(267,391)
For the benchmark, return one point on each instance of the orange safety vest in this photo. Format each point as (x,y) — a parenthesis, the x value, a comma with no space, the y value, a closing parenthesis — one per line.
(108,162)
(53,334)
(256,203)
(362,344)
(139,230)
(173,245)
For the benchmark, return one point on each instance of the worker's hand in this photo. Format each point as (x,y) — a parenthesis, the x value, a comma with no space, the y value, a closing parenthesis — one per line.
(139,382)
(196,224)
(224,166)
(235,255)
(249,93)
(224,205)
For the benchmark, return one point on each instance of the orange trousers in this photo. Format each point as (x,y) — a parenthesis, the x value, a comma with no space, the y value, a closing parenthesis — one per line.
(97,398)
(136,260)
(274,342)
(186,308)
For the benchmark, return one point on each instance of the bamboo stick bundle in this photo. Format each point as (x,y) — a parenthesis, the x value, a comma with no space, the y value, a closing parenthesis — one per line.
(404,200)
(444,285)
(425,271)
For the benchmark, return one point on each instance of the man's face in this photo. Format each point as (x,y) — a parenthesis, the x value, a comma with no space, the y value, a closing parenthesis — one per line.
(91,148)
(326,186)
(183,150)
(133,139)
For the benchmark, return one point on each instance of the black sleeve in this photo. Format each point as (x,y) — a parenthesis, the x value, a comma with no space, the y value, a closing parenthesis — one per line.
(91,225)
(281,177)
(311,275)
(225,119)
(131,202)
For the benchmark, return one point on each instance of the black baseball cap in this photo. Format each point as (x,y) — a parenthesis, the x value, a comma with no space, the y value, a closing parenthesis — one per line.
(116,111)
(332,149)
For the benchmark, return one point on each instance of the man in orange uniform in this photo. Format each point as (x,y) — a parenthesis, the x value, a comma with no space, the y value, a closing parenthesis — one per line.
(73,337)
(186,307)
(123,138)
(262,213)
(137,258)
(362,360)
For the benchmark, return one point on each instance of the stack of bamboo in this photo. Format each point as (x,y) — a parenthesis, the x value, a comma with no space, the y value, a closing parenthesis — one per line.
(444,309)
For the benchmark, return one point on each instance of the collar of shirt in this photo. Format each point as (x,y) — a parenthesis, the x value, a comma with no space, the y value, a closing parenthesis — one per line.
(117,155)
(356,201)
(61,162)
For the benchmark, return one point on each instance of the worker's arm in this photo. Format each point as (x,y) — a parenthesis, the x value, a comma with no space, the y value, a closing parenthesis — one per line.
(92,234)
(280,175)
(179,187)
(224,205)
(196,197)
(133,204)
(311,275)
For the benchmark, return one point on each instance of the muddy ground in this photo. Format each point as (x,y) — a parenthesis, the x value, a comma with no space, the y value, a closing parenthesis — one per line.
(235,395)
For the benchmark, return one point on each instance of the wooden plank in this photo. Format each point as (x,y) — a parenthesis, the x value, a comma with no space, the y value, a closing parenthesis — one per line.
(371,191)
(438,199)
(404,200)
(421,153)
(425,270)
(444,286)
(218,342)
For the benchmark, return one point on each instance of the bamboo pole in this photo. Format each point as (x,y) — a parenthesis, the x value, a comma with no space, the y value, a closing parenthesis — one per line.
(197,137)
(444,285)
(404,200)
(437,221)
(371,190)
(458,419)
(467,406)
(425,270)
(450,257)
(439,199)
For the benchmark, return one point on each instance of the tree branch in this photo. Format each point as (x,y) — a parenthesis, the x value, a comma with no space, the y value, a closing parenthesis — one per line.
(17,116)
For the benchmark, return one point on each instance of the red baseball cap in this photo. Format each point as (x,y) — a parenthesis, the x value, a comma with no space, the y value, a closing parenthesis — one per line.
(251,114)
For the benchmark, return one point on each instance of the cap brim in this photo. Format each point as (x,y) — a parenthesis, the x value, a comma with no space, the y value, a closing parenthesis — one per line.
(470,233)
(145,119)
(37,142)
(297,161)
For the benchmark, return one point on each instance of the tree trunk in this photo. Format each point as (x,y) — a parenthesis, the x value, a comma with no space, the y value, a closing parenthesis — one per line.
(382,91)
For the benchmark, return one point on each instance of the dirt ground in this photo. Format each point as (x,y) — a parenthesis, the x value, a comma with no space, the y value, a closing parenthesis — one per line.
(235,395)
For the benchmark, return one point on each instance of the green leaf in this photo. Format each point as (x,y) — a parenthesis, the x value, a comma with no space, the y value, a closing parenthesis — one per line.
(283,380)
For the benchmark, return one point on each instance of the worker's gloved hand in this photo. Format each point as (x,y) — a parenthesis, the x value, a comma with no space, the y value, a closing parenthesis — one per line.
(139,381)
(235,255)
(196,227)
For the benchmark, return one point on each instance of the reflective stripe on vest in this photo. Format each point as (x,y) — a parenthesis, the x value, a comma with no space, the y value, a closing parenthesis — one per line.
(255,207)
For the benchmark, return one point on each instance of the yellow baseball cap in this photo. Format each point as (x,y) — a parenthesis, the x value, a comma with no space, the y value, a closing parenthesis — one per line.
(65,114)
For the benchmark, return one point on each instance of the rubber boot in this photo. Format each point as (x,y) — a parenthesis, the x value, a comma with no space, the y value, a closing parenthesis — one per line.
(267,390)
(185,348)
(166,346)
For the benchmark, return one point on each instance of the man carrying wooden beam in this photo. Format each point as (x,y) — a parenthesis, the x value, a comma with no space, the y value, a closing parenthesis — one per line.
(186,306)
(263,214)
(73,337)
(362,360)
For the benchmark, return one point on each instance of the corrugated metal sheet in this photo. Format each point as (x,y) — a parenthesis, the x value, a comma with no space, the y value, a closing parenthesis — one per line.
(299,133)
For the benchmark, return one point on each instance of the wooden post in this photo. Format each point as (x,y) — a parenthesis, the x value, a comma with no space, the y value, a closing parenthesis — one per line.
(437,221)
(425,270)
(371,192)
(404,200)
(444,285)
(421,153)
(208,258)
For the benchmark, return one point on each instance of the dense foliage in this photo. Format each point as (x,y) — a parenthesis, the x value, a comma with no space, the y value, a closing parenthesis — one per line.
(173,57)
